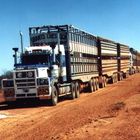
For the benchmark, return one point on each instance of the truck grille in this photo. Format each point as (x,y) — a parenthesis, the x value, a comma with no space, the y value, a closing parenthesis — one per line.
(26,95)
(25,83)
(25,79)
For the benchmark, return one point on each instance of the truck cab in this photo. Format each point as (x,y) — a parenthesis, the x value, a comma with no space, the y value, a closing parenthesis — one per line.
(39,70)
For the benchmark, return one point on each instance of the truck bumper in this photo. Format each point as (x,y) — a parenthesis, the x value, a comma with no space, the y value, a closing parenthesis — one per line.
(44,97)
(10,99)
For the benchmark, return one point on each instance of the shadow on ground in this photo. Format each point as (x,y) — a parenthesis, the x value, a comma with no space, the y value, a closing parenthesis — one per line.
(31,103)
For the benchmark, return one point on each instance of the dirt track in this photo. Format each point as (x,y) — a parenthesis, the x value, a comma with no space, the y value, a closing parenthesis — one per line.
(112,113)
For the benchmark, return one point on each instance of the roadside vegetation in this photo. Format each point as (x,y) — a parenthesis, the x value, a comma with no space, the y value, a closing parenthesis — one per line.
(6,74)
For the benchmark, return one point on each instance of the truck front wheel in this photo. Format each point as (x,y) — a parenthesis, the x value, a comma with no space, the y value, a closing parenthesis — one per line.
(72,95)
(54,96)
(77,90)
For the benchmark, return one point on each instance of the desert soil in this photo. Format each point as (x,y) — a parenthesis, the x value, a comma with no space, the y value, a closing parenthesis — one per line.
(112,113)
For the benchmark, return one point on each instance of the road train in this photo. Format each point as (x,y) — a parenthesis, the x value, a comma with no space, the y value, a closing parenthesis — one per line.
(63,60)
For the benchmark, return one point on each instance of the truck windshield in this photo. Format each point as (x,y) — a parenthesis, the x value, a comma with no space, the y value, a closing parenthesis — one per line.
(34,59)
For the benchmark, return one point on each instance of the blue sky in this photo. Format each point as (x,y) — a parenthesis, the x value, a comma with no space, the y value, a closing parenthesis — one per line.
(118,20)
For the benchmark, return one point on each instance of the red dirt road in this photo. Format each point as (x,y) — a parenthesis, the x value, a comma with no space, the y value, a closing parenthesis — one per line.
(112,113)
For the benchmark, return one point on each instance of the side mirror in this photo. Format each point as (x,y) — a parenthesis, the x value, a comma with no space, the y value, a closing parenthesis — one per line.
(49,72)
(15,49)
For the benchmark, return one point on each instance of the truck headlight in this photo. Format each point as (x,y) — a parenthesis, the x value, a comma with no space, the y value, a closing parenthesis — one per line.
(42,81)
(19,75)
(30,74)
(8,83)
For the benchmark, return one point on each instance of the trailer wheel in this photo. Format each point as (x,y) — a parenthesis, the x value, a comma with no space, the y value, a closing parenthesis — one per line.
(127,74)
(91,85)
(77,90)
(101,85)
(105,81)
(54,96)
(116,77)
(97,83)
(113,79)
(121,75)
(124,75)
(73,91)
(94,85)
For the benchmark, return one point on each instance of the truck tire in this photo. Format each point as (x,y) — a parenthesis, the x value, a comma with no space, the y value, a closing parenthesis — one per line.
(105,81)
(73,91)
(116,77)
(113,79)
(121,75)
(94,84)
(124,75)
(91,85)
(127,74)
(97,83)
(77,90)
(54,96)
(101,85)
